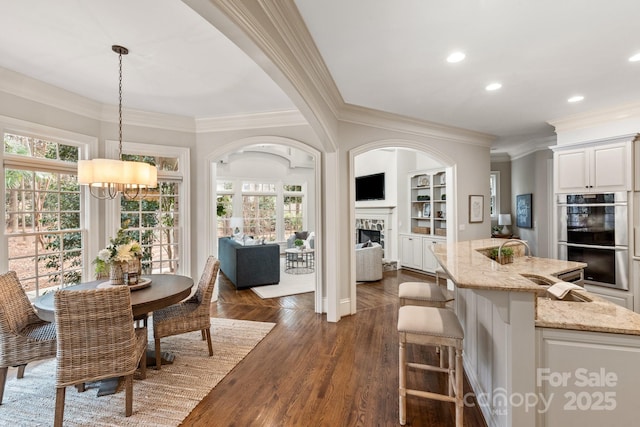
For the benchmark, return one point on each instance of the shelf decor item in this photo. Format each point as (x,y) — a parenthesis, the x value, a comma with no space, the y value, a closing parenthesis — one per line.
(423,181)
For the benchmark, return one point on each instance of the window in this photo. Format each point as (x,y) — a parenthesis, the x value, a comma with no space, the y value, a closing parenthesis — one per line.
(293,204)
(268,210)
(224,207)
(43,221)
(259,217)
(494,191)
(155,218)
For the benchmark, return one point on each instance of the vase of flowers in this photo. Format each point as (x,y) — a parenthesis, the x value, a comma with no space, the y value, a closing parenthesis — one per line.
(116,257)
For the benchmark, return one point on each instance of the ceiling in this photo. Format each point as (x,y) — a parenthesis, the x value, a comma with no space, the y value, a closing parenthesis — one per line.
(384,55)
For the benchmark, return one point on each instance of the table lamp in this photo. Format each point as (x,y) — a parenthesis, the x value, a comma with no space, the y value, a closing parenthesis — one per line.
(504,220)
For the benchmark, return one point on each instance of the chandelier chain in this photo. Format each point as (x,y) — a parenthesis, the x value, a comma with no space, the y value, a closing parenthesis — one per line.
(120,108)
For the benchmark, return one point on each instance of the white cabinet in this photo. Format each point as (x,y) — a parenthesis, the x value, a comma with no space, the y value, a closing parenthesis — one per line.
(411,251)
(415,252)
(429,260)
(593,169)
(585,378)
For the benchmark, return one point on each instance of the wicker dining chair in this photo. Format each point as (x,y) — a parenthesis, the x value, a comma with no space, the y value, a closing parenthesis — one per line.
(190,315)
(96,340)
(24,337)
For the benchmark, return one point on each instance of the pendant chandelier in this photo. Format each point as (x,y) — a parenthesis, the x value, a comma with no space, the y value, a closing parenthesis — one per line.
(107,178)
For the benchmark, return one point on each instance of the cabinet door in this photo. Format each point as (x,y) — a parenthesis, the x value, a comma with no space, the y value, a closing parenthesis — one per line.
(429,261)
(411,251)
(571,171)
(611,168)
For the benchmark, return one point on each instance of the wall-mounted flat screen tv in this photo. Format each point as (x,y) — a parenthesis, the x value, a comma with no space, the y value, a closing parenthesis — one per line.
(370,187)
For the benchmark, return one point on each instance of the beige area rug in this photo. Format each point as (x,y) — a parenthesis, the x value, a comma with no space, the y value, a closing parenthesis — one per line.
(290,284)
(164,398)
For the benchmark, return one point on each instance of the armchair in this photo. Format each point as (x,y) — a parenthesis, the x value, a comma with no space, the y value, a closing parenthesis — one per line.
(23,336)
(96,340)
(369,263)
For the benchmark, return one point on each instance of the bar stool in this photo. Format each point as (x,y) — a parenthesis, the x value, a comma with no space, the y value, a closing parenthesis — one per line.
(422,293)
(425,294)
(431,326)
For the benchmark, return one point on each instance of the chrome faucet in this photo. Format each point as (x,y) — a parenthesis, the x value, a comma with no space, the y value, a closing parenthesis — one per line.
(512,240)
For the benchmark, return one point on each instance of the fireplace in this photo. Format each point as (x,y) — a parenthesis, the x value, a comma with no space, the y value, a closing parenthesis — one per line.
(366,235)
(376,225)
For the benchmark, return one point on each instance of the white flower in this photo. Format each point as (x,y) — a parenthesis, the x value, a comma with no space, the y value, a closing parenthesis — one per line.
(104,255)
(123,253)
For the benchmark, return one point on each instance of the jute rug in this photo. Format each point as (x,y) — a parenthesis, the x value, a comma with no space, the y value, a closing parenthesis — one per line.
(164,398)
(290,284)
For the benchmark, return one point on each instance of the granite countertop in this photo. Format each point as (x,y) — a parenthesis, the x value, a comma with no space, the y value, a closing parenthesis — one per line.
(470,268)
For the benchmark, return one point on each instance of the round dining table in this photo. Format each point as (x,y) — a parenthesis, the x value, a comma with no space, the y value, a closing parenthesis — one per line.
(164,290)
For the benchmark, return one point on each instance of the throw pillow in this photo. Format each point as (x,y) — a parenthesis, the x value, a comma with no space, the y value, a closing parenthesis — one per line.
(359,245)
(302,235)
(367,244)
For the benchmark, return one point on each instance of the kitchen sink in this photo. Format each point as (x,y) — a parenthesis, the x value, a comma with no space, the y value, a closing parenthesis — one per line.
(539,280)
(545,282)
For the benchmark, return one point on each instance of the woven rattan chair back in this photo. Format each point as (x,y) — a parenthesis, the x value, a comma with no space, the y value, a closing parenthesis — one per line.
(96,340)
(17,310)
(190,315)
(204,292)
(24,337)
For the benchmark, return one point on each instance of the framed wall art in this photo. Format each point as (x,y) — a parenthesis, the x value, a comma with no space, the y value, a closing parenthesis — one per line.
(523,211)
(476,208)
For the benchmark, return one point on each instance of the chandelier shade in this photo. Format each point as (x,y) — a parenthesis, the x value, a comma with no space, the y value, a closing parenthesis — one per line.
(129,175)
(107,178)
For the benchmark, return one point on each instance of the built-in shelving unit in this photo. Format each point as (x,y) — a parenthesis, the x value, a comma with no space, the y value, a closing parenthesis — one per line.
(428,202)
(428,219)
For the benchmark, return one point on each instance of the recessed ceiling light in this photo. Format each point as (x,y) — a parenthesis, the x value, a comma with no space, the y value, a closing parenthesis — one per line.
(635,58)
(576,98)
(456,57)
(493,86)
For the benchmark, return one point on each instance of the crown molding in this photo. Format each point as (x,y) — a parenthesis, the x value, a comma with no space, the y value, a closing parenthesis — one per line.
(29,88)
(141,118)
(529,147)
(389,121)
(500,157)
(593,118)
(251,121)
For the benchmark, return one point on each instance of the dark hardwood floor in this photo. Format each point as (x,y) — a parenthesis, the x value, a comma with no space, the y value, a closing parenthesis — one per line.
(308,372)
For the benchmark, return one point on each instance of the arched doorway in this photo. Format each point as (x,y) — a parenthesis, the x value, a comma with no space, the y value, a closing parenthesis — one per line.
(273,162)
(396,160)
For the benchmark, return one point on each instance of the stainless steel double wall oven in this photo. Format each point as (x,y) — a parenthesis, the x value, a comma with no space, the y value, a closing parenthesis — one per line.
(593,229)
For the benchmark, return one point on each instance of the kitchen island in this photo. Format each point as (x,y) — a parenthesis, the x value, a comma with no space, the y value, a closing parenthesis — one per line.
(534,360)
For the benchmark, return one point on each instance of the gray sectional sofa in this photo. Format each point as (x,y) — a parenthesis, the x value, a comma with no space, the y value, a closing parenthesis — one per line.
(249,266)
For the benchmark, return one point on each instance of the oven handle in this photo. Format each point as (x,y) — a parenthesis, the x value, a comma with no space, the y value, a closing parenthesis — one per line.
(591,205)
(578,245)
